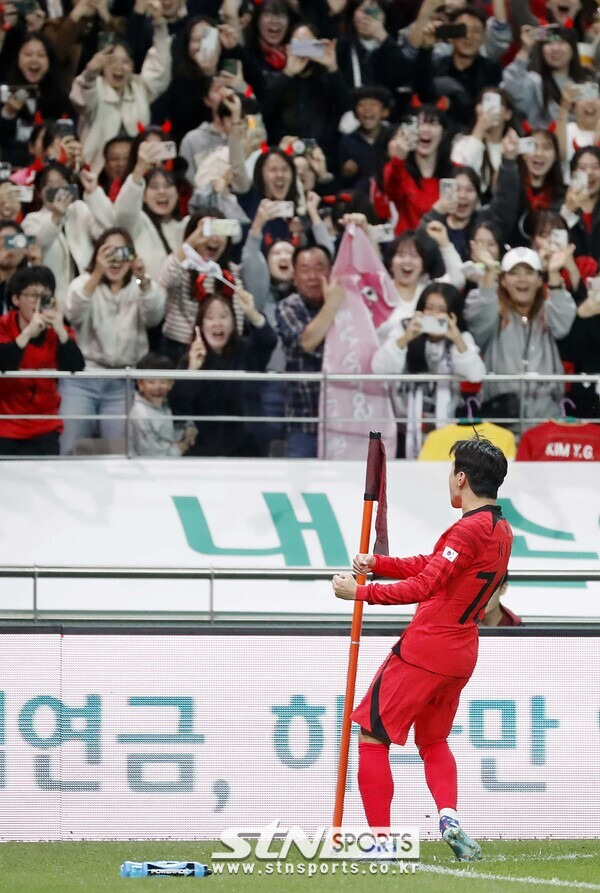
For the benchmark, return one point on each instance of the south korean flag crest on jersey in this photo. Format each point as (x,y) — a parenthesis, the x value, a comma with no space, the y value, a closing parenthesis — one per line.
(450,554)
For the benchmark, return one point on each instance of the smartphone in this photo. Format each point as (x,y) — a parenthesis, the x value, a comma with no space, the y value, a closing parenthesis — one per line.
(24,7)
(18,242)
(580,181)
(54,192)
(309,49)
(449,190)
(593,288)
(382,232)
(559,238)
(255,121)
(473,271)
(23,91)
(285,209)
(545,33)
(372,11)
(47,301)
(230,66)
(526,145)
(433,325)
(24,194)
(215,226)
(410,129)
(123,253)
(491,104)
(65,127)
(209,43)
(5,171)
(106,39)
(585,92)
(450,32)
(168,150)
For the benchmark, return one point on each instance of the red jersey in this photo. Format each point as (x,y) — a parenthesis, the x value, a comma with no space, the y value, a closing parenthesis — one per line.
(452,586)
(412,199)
(561,442)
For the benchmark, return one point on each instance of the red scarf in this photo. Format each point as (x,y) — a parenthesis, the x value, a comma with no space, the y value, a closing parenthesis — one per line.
(538,201)
(114,189)
(276,57)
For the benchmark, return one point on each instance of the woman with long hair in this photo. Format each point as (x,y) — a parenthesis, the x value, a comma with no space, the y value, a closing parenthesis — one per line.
(481,149)
(540,71)
(217,346)
(37,71)
(268,34)
(148,207)
(308,97)
(432,340)
(186,285)
(111,98)
(516,320)
(111,307)
(411,178)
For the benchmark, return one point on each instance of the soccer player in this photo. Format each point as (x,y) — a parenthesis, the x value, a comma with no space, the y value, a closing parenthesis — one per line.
(420,682)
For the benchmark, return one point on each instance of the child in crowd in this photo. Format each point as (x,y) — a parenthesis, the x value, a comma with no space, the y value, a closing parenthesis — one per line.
(363,152)
(152,431)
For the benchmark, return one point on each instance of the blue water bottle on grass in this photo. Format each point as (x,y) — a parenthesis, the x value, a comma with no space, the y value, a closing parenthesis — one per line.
(164,869)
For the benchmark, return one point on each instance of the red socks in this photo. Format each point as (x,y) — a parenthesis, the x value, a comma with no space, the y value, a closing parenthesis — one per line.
(375,783)
(440,773)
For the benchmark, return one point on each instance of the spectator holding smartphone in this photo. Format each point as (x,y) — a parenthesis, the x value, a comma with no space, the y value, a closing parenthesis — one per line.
(547,60)
(516,321)
(581,208)
(111,307)
(65,226)
(12,258)
(33,335)
(411,176)
(110,98)
(434,340)
(481,149)
(36,69)
(309,96)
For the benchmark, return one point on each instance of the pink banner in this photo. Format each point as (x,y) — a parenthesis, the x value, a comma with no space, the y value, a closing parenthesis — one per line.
(351,410)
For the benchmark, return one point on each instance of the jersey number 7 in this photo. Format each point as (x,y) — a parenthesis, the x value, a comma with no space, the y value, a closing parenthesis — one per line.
(472,608)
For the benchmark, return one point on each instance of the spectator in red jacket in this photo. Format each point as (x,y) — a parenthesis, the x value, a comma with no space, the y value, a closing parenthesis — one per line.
(33,336)
(411,178)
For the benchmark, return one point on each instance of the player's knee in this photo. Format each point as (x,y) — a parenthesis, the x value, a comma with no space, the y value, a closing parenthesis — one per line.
(366,737)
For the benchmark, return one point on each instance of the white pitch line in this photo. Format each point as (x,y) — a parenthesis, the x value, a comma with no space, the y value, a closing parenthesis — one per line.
(540,882)
(562,857)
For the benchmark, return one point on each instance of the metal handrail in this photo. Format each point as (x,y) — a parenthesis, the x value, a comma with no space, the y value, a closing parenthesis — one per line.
(326,379)
(249,573)
(211,617)
(130,373)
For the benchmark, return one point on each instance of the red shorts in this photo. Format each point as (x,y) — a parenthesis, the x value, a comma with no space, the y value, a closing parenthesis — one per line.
(402,695)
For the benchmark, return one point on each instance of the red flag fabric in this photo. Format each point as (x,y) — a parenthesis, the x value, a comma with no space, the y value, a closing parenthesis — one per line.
(376,489)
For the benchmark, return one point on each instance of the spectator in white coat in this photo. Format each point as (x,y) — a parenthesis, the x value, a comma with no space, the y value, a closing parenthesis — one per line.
(147,207)
(111,98)
(66,227)
(412,347)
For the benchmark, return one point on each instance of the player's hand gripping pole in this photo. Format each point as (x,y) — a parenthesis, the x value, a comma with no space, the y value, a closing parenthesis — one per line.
(375,464)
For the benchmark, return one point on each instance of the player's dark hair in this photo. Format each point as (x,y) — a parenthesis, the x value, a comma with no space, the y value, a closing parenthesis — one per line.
(483,463)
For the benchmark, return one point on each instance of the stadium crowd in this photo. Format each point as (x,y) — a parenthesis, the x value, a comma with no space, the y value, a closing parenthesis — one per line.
(176,179)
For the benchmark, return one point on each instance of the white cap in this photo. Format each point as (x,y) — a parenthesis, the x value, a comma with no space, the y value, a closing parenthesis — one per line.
(521,256)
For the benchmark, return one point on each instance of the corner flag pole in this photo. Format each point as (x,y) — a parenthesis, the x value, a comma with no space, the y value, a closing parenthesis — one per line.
(374,477)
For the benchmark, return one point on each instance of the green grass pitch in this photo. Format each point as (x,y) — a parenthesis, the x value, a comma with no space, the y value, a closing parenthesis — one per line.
(508,866)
